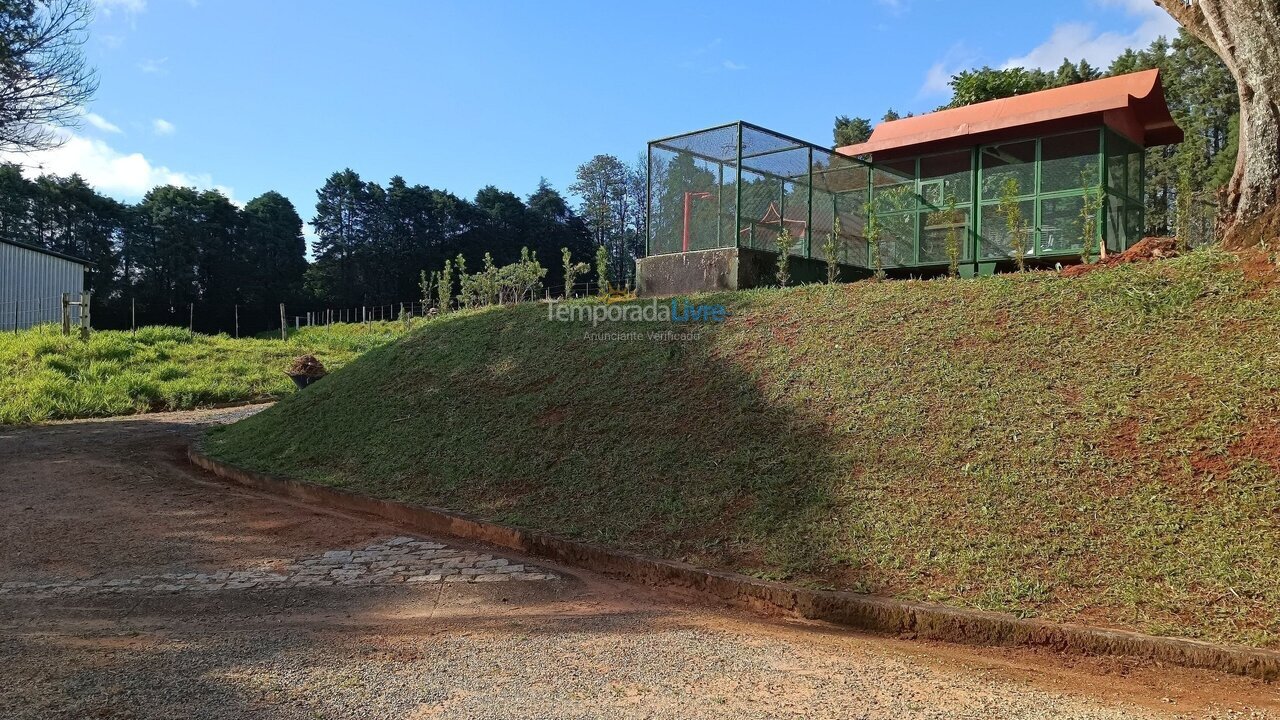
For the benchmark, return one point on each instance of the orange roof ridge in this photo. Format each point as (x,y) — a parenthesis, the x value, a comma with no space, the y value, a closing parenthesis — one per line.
(1133,104)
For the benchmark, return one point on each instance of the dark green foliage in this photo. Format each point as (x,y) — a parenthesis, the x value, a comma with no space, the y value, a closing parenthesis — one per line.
(1202,97)
(275,251)
(373,243)
(613,196)
(850,131)
(602,269)
(974,86)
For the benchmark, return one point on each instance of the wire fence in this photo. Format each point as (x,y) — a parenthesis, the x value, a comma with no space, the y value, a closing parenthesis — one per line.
(21,314)
(234,320)
(407,310)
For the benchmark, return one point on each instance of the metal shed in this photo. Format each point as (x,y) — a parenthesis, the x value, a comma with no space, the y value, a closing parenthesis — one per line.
(32,283)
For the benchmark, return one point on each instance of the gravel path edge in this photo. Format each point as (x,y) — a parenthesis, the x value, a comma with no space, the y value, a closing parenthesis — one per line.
(870,613)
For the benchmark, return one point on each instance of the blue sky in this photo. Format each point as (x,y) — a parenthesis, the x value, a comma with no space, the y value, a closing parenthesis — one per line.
(257,95)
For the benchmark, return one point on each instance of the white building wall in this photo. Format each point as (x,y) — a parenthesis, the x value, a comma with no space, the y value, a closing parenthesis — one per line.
(32,284)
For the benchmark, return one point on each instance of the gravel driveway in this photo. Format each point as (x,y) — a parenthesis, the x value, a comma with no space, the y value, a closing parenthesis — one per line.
(134,586)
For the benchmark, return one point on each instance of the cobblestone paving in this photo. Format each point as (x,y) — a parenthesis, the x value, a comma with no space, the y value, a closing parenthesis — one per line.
(404,560)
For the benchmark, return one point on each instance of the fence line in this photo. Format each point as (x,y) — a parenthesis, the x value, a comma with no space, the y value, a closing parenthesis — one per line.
(20,314)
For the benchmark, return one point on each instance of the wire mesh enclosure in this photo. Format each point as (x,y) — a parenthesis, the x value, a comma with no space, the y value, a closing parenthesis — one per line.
(1036,196)
(740,185)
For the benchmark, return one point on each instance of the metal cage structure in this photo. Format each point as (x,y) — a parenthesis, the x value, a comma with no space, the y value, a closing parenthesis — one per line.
(740,186)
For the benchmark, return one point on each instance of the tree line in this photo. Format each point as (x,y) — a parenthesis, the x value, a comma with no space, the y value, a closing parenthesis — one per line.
(1202,98)
(182,255)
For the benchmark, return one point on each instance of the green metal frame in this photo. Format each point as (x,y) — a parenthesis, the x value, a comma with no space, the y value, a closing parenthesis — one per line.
(972,254)
(786,182)
(1038,196)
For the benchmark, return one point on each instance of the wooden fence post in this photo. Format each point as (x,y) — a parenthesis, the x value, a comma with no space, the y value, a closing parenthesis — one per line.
(191,317)
(66,313)
(85,299)
(284,325)
(237,311)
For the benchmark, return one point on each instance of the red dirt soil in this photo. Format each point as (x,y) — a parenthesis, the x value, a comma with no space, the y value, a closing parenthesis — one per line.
(1151,248)
(306,366)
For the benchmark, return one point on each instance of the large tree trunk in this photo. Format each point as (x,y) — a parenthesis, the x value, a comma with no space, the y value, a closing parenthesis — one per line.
(1246,35)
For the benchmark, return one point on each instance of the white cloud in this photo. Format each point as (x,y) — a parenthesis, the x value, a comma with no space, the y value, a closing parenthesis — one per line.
(124,175)
(1082,40)
(937,81)
(163,127)
(106,7)
(100,122)
(153,66)
(731,65)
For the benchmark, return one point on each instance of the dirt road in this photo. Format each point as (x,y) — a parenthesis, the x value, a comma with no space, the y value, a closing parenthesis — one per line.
(133,586)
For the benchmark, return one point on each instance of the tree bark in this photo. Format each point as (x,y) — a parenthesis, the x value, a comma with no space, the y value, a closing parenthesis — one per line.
(1246,35)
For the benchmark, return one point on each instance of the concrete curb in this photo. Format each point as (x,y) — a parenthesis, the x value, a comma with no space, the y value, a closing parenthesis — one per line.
(863,612)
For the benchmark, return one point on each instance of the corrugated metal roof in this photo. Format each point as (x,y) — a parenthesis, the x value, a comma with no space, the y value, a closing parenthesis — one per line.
(1132,103)
(37,248)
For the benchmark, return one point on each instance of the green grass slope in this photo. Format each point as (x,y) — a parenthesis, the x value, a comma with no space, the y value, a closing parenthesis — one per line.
(45,375)
(1101,449)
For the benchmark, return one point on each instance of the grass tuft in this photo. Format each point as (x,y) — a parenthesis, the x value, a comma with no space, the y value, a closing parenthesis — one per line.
(45,375)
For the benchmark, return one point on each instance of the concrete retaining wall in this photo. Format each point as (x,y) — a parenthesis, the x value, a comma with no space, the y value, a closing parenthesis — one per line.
(724,269)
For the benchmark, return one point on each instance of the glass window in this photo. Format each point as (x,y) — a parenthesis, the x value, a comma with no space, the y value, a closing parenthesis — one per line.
(1069,162)
(1011,161)
(943,176)
(939,229)
(996,239)
(1061,224)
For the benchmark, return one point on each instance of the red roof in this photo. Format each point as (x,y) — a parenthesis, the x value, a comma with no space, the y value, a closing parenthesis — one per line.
(1132,105)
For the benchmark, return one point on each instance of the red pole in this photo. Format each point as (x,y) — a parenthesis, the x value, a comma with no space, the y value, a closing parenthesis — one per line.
(688,208)
(688,202)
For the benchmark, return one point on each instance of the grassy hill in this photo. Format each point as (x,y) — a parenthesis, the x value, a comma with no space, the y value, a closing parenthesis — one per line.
(1101,449)
(45,375)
